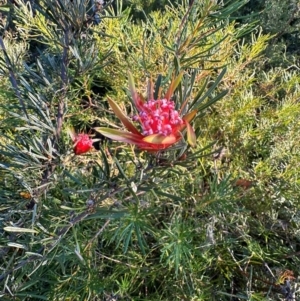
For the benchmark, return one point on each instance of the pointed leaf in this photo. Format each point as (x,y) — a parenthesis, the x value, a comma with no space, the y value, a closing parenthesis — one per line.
(71,133)
(200,92)
(210,90)
(157,87)
(130,138)
(19,229)
(120,135)
(150,89)
(161,139)
(189,116)
(137,99)
(191,136)
(159,93)
(127,123)
(213,100)
(131,86)
(175,82)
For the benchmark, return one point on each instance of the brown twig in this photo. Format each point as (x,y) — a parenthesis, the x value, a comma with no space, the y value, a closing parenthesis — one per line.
(61,108)
(183,22)
(64,78)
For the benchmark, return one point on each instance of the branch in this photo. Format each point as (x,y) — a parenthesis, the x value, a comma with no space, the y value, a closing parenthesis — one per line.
(60,112)
(64,77)
(183,22)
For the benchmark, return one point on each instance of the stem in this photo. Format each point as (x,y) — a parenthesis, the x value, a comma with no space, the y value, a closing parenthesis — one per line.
(61,108)
(184,19)
(64,78)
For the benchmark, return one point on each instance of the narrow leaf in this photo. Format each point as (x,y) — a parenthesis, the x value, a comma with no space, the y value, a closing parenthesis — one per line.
(120,135)
(191,136)
(139,236)
(175,82)
(104,214)
(213,100)
(137,99)
(71,132)
(150,94)
(127,123)
(157,87)
(17,229)
(16,245)
(160,139)
(190,116)
(199,92)
(210,90)
(131,86)
(170,196)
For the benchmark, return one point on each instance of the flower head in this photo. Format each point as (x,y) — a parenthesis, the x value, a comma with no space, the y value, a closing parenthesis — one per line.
(161,123)
(158,117)
(82,142)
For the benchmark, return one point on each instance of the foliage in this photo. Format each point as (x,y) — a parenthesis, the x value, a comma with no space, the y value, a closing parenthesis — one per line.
(281,19)
(215,222)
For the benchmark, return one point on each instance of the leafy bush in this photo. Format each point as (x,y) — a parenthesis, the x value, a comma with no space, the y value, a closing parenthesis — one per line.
(218,221)
(281,20)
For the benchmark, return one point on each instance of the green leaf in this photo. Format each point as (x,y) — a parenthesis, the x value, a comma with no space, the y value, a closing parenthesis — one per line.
(197,102)
(140,238)
(104,214)
(105,168)
(213,100)
(5,8)
(19,230)
(157,87)
(165,194)
(132,86)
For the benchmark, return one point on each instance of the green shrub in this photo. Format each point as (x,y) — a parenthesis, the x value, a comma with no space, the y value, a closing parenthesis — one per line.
(218,221)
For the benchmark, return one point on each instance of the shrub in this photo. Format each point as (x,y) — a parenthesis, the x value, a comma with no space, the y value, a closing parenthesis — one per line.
(210,222)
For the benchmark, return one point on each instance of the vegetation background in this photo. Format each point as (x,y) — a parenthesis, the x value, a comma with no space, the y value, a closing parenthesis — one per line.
(216,222)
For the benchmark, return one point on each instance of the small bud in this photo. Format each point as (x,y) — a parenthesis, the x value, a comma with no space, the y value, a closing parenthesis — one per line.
(82,144)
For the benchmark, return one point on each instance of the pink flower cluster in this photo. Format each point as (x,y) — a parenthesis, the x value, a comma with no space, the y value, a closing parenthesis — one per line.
(162,125)
(158,117)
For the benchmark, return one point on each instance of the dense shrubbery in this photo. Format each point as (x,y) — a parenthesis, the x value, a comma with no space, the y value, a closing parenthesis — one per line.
(218,221)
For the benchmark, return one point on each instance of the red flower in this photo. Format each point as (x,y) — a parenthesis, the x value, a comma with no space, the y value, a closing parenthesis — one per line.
(82,142)
(161,123)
